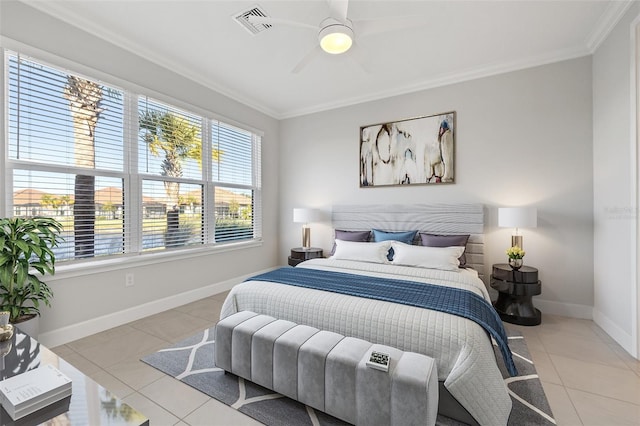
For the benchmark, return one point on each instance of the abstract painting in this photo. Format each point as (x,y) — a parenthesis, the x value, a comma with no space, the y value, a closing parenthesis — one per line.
(408,152)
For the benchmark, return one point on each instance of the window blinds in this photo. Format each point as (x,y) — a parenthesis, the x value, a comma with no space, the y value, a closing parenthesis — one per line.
(66,139)
(183,180)
(234,157)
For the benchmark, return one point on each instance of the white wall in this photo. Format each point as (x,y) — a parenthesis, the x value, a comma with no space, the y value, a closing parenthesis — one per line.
(614,177)
(523,138)
(87,299)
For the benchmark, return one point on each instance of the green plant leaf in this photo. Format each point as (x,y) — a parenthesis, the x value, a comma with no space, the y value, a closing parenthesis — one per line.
(22,246)
(26,243)
(49,252)
(21,274)
(38,267)
(34,236)
(6,275)
(37,250)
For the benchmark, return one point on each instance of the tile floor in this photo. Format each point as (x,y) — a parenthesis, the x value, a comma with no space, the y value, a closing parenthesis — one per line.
(588,378)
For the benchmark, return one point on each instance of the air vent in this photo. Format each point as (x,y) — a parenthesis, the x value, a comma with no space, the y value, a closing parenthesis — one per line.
(242,18)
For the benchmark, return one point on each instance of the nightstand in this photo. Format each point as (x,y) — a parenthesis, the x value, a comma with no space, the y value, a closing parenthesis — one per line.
(515,290)
(300,254)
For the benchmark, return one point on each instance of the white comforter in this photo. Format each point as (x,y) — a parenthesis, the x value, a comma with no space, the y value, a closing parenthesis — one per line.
(463,350)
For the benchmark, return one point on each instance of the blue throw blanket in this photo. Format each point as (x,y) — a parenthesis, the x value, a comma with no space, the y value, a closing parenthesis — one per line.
(454,301)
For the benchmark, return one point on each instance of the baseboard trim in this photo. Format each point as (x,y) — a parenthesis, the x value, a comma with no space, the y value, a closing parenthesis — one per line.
(623,338)
(86,328)
(564,309)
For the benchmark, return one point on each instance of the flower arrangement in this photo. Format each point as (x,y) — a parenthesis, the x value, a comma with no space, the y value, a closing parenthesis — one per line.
(515,252)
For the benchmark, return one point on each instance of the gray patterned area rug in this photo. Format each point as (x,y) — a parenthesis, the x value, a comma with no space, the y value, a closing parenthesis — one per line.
(191,361)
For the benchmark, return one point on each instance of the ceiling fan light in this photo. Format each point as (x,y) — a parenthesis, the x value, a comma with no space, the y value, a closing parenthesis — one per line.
(336,39)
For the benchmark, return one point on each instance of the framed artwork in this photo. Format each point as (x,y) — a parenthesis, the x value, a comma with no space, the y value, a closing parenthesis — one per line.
(415,151)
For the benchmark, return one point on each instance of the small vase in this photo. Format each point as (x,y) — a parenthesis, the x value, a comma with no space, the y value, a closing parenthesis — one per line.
(515,264)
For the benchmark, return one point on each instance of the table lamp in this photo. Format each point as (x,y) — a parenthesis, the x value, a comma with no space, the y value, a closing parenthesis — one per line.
(304,216)
(517,217)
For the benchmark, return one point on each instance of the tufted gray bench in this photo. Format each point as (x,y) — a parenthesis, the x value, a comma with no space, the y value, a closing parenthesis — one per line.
(328,371)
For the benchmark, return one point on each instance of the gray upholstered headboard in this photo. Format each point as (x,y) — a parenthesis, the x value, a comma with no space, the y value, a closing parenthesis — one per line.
(442,219)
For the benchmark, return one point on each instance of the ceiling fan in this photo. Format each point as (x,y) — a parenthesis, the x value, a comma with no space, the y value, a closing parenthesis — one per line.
(337,33)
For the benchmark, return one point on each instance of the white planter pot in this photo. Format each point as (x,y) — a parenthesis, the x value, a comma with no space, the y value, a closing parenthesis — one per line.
(30,326)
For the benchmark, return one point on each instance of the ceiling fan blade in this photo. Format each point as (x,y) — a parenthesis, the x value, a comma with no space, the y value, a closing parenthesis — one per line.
(366,27)
(307,58)
(357,54)
(277,21)
(338,10)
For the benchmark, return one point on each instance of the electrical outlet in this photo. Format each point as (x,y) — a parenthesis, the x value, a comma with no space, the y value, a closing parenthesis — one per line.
(128,279)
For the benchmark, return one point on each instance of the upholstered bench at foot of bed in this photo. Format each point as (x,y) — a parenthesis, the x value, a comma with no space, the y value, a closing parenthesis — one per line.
(328,371)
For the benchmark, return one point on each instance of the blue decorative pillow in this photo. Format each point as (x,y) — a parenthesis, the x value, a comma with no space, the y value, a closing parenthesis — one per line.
(406,237)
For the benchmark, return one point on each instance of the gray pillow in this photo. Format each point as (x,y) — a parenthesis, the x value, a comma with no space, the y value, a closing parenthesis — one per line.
(357,236)
(431,240)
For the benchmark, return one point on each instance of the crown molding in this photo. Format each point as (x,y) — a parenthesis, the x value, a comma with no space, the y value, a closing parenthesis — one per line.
(71,18)
(445,80)
(607,22)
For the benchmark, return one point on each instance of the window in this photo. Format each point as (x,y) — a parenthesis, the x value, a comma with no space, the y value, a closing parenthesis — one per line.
(170,154)
(235,193)
(165,178)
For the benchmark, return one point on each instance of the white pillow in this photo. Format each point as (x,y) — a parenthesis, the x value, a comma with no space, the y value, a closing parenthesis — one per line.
(363,252)
(445,258)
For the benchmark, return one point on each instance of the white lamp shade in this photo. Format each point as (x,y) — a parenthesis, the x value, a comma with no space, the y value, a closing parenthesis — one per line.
(302,215)
(518,217)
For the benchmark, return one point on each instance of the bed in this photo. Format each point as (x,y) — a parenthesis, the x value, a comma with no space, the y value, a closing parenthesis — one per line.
(472,389)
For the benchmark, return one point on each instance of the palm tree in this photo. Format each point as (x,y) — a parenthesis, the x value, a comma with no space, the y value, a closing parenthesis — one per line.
(234,208)
(191,201)
(177,138)
(110,208)
(66,202)
(84,98)
(56,203)
(47,201)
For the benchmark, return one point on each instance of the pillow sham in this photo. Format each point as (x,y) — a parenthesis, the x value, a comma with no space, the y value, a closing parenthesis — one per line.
(444,258)
(359,236)
(406,237)
(363,252)
(432,240)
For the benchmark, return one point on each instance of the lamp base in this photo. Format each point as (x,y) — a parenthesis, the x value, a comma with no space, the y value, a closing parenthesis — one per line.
(516,240)
(306,237)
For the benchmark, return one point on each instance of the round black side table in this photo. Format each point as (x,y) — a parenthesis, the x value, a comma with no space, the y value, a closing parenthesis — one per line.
(515,290)
(300,254)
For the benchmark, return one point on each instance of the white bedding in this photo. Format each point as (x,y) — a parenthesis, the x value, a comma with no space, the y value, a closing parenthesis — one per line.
(462,349)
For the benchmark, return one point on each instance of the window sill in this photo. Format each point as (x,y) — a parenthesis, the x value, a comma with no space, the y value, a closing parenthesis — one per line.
(90,267)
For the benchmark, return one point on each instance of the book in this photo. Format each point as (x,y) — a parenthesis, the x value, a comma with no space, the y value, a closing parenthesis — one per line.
(35,389)
(40,416)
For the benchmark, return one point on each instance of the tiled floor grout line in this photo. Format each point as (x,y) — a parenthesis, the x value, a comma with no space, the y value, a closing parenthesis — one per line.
(192,411)
(580,332)
(600,396)
(575,409)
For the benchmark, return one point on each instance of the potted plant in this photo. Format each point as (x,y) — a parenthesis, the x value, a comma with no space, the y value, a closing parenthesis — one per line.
(515,255)
(25,247)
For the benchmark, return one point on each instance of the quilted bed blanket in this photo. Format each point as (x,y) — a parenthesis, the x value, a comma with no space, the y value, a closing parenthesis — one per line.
(462,349)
